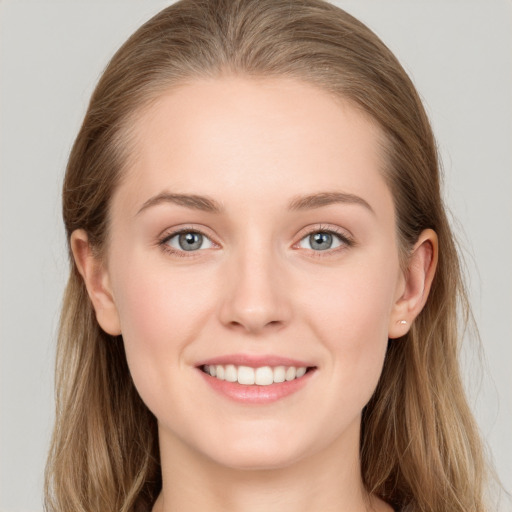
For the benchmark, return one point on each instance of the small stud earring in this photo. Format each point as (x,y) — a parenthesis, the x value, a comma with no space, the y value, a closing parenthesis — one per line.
(402,322)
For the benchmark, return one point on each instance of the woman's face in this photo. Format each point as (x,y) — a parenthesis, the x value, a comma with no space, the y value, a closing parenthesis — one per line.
(254,229)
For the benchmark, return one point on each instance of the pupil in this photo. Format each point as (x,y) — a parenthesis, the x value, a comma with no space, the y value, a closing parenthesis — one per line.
(190,241)
(320,241)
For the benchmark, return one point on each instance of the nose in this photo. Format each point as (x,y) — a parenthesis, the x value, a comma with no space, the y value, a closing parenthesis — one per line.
(256,296)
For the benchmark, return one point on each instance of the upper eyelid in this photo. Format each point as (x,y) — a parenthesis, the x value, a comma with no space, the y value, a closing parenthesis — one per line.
(323,228)
(168,233)
(173,234)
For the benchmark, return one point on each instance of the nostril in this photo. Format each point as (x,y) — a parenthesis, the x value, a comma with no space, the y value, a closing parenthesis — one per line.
(254,325)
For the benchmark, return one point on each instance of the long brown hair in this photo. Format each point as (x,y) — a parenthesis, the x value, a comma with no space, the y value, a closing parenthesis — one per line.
(420,450)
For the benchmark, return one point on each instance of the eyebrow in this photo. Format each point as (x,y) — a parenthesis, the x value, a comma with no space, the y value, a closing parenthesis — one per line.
(195,202)
(300,203)
(321,199)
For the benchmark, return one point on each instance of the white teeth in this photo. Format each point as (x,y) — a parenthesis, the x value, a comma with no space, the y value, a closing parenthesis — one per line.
(279,374)
(245,375)
(300,372)
(291,373)
(231,374)
(262,376)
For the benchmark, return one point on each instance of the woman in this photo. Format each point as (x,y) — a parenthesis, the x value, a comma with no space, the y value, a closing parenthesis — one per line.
(261,312)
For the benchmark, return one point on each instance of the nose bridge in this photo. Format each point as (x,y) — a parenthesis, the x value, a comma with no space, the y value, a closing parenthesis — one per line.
(255,294)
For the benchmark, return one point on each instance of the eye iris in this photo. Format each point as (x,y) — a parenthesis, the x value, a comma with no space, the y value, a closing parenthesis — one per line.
(320,241)
(190,241)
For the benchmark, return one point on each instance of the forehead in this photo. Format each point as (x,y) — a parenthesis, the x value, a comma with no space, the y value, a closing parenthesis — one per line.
(244,138)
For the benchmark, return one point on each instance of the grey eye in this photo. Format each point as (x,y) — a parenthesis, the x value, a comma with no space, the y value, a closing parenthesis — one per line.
(320,241)
(189,241)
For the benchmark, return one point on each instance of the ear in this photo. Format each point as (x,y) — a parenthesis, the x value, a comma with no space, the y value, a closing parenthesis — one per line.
(97,282)
(415,287)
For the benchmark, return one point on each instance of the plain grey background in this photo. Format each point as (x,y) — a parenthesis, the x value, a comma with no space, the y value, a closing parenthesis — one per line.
(459,54)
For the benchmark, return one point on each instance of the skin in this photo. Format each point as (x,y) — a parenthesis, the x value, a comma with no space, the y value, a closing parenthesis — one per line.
(256,287)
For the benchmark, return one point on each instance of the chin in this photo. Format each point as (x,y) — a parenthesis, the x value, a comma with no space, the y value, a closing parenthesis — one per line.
(249,460)
(265,451)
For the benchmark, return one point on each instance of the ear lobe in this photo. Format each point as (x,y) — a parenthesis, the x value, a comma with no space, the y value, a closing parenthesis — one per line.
(97,282)
(418,277)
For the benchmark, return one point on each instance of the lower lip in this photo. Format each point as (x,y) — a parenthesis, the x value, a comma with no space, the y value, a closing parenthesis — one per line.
(255,394)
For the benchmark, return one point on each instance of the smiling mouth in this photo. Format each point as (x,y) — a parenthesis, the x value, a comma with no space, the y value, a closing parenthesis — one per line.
(260,376)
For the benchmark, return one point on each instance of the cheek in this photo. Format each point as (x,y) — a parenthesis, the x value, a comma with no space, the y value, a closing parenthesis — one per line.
(161,311)
(350,313)
(156,301)
(357,298)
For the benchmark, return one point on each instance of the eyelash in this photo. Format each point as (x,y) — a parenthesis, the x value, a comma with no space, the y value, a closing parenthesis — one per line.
(162,242)
(346,241)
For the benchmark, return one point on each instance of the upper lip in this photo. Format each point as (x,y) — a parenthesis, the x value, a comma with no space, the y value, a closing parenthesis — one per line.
(254,361)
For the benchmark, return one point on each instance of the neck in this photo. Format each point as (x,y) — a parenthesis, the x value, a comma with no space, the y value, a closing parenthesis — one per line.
(326,481)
